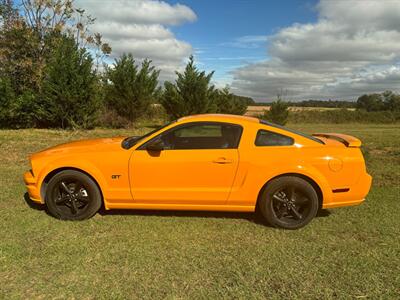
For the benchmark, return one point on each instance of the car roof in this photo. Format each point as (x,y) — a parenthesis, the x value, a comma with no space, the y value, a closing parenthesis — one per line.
(219,117)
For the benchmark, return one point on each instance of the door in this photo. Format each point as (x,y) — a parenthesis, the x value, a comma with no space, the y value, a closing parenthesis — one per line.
(197,165)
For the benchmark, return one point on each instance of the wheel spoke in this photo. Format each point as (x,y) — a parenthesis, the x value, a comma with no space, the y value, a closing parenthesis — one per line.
(65,187)
(70,197)
(276,197)
(62,199)
(295,213)
(283,212)
(74,208)
(83,199)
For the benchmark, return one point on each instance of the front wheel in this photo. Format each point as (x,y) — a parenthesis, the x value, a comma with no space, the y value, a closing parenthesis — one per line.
(289,202)
(72,195)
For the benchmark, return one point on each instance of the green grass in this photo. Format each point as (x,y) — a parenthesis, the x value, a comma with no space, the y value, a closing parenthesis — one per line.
(344,253)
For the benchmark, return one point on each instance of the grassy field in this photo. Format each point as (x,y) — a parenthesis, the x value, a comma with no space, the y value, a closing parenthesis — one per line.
(344,253)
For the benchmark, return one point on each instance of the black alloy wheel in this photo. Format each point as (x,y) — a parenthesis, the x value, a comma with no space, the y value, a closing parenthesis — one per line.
(289,202)
(72,195)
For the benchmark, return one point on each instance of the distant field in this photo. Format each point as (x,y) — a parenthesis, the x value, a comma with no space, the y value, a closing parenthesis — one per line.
(347,253)
(256,110)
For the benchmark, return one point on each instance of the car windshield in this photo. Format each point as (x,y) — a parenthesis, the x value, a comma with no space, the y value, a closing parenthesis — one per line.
(292,131)
(133,140)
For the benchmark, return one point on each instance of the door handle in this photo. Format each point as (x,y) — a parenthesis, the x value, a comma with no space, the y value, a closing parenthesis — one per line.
(222,160)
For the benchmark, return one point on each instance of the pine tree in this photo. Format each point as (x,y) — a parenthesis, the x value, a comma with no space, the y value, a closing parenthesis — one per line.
(131,90)
(228,103)
(69,89)
(192,93)
(278,113)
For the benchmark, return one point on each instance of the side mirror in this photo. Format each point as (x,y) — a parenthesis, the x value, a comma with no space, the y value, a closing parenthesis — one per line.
(155,146)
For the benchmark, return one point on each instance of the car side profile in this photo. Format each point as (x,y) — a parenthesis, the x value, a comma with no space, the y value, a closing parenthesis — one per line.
(205,162)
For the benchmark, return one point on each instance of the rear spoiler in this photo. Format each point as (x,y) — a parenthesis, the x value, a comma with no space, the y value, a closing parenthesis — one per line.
(348,140)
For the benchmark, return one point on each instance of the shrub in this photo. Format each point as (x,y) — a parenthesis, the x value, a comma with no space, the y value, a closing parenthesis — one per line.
(23,110)
(7,96)
(16,111)
(157,114)
(110,119)
(278,112)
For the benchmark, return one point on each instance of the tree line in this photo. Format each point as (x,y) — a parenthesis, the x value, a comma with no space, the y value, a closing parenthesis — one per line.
(387,100)
(51,74)
(373,108)
(315,103)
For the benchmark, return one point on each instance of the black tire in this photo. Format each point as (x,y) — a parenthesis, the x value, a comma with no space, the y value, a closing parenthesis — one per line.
(288,202)
(72,195)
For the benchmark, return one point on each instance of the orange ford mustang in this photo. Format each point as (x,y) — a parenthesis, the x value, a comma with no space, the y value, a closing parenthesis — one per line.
(204,162)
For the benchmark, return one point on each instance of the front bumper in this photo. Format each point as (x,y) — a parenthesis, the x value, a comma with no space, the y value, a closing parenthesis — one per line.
(31,186)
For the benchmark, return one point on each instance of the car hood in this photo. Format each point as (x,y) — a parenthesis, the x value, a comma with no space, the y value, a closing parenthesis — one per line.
(92,145)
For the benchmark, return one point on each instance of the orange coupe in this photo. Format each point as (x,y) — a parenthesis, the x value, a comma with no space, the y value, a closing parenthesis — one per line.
(204,162)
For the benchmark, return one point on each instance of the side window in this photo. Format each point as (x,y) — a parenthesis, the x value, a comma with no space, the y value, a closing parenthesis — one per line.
(269,138)
(195,131)
(201,135)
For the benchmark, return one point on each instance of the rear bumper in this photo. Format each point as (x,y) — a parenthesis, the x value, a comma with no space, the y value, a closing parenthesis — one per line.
(355,196)
(31,186)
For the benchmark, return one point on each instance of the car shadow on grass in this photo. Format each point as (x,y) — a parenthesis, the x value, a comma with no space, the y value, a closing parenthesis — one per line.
(251,217)
(32,204)
(254,217)
(248,216)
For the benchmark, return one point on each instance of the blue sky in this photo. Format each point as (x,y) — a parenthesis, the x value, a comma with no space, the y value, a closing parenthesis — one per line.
(229,34)
(311,49)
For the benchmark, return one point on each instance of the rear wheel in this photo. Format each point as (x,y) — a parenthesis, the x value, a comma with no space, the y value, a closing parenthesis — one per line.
(72,195)
(289,202)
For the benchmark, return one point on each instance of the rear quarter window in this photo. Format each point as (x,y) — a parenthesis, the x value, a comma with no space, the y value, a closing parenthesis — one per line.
(269,138)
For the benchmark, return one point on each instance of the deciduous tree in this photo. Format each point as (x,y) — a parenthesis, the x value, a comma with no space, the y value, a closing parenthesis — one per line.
(370,102)
(30,35)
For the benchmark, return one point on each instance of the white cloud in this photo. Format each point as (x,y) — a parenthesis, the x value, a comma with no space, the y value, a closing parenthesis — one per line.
(140,27)
(118,31)
(353,48)
(140,11)
(366,14)
(370,82)
(155,49)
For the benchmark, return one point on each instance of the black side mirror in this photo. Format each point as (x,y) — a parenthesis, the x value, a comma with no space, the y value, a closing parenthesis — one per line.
(155,146)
